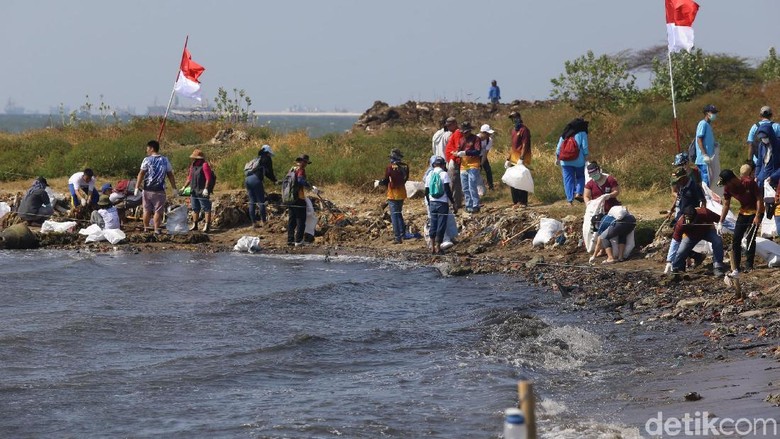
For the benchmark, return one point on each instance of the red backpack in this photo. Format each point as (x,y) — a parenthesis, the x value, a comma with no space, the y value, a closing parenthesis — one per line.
(569,149)
(121,187)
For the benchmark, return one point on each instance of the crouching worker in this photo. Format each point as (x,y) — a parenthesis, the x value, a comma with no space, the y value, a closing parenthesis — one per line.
(36,206)
(751,208)
(83,182)
(617,224)
(697,224)
(106,217)
(439,197)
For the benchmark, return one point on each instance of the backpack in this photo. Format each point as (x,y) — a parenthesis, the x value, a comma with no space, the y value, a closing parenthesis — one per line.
(435,186)
(210,186)
(197,170)
(693,149)
(251,166)
(569,149)
(121,187)
(290,187)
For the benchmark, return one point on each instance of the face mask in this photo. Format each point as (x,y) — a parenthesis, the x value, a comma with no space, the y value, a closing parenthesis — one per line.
(765,140)
(713,116)
(595,176)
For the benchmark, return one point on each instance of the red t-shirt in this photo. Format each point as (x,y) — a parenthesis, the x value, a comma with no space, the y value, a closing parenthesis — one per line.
(596,191)
(747,194)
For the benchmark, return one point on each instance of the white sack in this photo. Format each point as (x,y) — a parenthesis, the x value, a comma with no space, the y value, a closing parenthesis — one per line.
(311,218)
(176,220)
(249,244)
(519,177)
(588,235)
(4,209)
(548,227)
(769,251)
(413,187)
(50,226)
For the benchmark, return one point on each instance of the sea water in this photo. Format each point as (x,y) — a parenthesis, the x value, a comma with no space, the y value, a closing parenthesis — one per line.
(179,344)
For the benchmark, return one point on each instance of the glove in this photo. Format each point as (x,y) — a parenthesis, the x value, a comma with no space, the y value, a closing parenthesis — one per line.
(707,159)
(316,190)
(668,268)
(507,164)
(205,192)
(719,228)
(376,184)
(181,191)
(136,191)
(460,154)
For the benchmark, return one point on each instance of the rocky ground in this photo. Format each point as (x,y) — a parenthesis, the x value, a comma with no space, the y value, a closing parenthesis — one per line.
(498,240)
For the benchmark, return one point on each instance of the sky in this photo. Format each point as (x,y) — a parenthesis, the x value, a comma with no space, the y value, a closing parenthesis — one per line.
(336,54)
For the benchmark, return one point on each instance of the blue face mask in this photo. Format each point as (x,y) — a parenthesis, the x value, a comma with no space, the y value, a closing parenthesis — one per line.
(713,116)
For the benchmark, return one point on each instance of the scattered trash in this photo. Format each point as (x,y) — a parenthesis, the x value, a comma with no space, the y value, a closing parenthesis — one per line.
(692,396)
(249,244)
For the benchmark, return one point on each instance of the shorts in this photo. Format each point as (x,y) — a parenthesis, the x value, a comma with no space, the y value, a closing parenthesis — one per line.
(200,203)
(154,201)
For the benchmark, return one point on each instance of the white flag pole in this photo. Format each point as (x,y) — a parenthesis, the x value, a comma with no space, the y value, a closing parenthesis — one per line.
(173,91)
(674,105)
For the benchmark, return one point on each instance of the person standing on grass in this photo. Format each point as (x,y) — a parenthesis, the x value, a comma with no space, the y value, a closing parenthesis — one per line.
(151,177)
(259,168)
(753,144)
(519,154)
(751,208)
(442,136)
(438,194)
(453,162)
(494,94)
(470,155)
(486,136)
(573,169)
(396,175)
(707,160)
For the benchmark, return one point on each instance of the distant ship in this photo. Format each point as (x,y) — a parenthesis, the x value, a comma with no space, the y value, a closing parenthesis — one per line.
(12,108)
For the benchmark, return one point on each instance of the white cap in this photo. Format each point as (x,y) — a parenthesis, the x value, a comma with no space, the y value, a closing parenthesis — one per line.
(267,148)
(486,129)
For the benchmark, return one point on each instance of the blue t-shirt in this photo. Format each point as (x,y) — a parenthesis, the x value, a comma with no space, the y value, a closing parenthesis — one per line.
(582,142)
(707,136)
(494,94)
(752,134)
(156,167)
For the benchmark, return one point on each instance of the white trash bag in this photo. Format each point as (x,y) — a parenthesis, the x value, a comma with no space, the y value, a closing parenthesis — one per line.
(94,234)
(249,244)
(548,228)
(413,187)
(4,209)
(519,177)
(311,218)
(176,220)
(50,226)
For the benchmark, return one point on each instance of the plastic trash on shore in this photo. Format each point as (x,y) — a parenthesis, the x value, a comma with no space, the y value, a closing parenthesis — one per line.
(768,250)
(768,227)
(176,220)
(4,209)
(311,218)
(548,228)
(413,188)
(94,234)
(519,177)
(249,244)
(50,226)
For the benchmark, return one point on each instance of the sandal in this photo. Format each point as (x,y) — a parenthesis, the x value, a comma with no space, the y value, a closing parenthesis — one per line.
(607,261)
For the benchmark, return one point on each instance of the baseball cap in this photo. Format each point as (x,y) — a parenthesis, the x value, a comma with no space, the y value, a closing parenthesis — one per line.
(466,126)
(450,120)
(725,176)
(105,187)
(438,161)
(514,114)
(709,108)
(486,129)
(766,111)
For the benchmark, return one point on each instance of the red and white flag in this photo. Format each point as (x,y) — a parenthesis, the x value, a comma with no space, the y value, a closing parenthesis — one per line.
(187,83)
(679,21)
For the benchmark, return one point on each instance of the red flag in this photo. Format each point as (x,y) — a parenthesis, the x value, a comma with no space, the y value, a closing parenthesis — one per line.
(187,84)
(679,21)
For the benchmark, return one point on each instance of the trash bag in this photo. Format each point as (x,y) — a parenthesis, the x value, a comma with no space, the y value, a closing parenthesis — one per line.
(413,188)
(94,234)
(249,244)
(176,221)
(519,177)
(548,228)
(50,226)
(4,209)
(311,218)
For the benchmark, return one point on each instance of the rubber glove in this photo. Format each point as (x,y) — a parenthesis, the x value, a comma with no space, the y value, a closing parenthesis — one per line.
(668,268)
(707,159)
(460,154)
(316,190)
(205,192)
(719,228)
(376,184)
(507,164)
(136,191)
(181,191)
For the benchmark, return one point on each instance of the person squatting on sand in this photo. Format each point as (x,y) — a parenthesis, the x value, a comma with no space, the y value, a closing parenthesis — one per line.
(106,216)
(36,207)
(697,224)
(84,182)
(396,175)
(438,194)
(617,224)
(151,177)
(199,179)
(519,154)
(255,171)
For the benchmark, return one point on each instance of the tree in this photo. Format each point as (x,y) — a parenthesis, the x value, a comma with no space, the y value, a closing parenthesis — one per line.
(769,69)
(595,85)
(689,75)
(233,110)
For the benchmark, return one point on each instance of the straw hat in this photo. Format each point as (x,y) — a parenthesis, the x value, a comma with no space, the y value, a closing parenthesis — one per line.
(197,154)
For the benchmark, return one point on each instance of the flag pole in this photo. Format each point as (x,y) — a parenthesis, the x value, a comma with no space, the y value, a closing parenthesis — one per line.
(173,90)
(674,105)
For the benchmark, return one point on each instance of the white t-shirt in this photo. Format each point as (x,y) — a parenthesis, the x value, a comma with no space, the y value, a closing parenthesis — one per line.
(487,144)
(78,182)
(110,217)
(445,179)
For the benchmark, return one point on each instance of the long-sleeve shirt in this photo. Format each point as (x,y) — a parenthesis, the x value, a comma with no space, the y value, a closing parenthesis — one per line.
(582,142)
(494,94)
(453,144)
(472,146)
(396,174)
(702,224)
(521,145)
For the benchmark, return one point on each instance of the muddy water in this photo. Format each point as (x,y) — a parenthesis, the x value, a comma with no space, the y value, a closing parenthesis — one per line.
(237,345)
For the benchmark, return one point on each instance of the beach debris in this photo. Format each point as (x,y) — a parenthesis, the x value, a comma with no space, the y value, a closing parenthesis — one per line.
(692,396)
(773,399)
(249,244)
(18,237)
(228,135)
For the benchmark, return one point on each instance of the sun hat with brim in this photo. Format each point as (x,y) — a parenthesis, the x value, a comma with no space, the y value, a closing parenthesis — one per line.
(197,154)
(104,201)
(303,158)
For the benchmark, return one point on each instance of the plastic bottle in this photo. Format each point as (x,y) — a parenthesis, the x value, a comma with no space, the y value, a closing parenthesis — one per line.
(514,424)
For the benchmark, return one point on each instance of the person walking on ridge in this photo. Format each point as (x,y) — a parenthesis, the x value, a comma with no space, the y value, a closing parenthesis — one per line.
(519,154)
(494,94)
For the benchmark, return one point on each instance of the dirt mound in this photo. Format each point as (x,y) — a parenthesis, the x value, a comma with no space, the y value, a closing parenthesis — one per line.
(381,115)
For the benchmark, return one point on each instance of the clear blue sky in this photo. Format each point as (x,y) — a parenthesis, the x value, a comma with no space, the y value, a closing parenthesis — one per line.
(337,53)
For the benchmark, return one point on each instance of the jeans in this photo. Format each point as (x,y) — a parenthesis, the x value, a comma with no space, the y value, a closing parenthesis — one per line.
(296,221)
(743,224)
(573,181)
(256,193)
(687,244)
(397,218)
(439,212)
(469,179)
